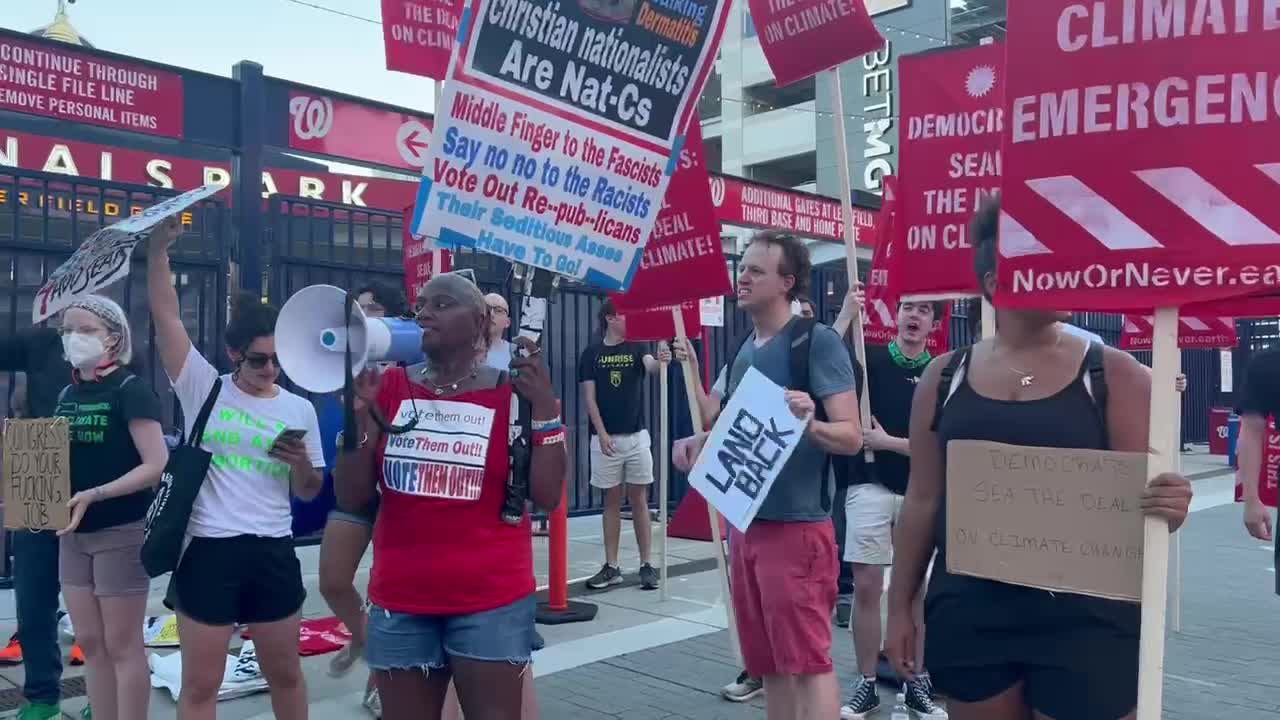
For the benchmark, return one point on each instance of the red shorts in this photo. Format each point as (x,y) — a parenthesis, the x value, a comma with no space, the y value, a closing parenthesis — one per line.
(783,580)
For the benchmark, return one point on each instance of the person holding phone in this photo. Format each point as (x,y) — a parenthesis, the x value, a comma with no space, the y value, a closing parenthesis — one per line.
(240,565)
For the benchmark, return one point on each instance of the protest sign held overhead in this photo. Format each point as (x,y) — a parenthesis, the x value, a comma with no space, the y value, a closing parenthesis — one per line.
(557,127)
(880,323)
(419,35)
(657,323)
(103,257)
(1141,154)
(1194,332)
(747,449)
(1065,520)
(950,160)
(683,259)
(37,474)
(801,38)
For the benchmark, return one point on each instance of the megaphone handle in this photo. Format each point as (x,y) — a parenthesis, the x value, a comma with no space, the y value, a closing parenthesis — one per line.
(349,438)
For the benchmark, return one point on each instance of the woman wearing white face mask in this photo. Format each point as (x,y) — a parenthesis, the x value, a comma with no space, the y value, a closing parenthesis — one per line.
(117,455)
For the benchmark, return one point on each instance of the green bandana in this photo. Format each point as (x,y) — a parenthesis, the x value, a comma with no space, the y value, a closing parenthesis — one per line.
(903,361)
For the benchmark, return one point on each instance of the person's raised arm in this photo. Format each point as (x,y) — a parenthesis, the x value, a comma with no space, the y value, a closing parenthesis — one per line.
(171,335)
(913,539)
(550,462)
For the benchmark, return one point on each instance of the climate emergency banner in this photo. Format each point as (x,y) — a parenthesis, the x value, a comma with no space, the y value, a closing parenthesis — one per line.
(357,131)
(1269,477)
(1141,164)
(58,81)
(420,260)
(751,204)
(683,259)
(950,155)
(1194,332)
(557,129)
(880,319)
(419,35)
(801,38)
(655,324)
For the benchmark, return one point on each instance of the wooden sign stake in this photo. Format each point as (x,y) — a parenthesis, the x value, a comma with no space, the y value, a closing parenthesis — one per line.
(664,479)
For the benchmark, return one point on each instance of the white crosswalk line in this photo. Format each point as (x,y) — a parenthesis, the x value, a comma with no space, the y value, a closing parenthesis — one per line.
(1209,206)
(1016,240)
(1093,212)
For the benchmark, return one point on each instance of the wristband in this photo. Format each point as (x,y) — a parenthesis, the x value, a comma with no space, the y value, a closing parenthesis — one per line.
(364,440)
(549,437)
(545,425)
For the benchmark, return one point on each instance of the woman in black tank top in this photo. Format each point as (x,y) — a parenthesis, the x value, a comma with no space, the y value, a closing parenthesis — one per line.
(1000,651)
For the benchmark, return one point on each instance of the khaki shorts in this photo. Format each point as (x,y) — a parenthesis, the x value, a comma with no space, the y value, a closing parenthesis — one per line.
(871,511)
(107,561)
(631,463)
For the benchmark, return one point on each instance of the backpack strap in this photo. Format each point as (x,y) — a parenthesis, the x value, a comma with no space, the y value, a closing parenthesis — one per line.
(728,367)
(197,430)
(1094,378)
(949,381)
(801,339)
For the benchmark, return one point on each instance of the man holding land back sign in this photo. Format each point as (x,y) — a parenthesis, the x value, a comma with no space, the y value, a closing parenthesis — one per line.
(1000,650)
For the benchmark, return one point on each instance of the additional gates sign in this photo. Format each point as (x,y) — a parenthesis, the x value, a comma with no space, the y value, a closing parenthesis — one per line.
(419,35)
(742,202)
(803,37)
(556,129)
(58,81)
(1194,332)
(357,131)
(1141,155)
(950,160)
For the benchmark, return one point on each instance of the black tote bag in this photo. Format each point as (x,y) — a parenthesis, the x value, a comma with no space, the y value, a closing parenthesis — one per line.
(179,485)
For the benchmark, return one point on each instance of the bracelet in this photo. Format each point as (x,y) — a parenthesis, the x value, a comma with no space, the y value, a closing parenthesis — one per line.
(551,424)
(364,440)
(550,437)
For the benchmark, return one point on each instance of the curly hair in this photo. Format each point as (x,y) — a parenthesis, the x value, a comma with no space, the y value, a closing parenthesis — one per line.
(250,319)
(794,261)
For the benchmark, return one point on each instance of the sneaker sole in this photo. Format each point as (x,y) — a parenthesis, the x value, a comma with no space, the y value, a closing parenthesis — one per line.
(603,585)
(847,714)
(743,698)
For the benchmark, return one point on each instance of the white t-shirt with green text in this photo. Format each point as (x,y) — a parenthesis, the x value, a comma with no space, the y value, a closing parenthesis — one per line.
(246,491)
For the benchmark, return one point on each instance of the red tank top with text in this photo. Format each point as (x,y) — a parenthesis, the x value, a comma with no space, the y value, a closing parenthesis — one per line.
(440,546)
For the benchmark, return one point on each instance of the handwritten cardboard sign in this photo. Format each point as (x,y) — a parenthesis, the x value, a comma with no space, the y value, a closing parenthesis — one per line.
(749,445)
(1053,518)
(37,474)
(103,257)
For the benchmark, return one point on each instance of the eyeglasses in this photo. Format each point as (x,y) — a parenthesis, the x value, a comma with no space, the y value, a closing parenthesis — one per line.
(257,361)
(499,310)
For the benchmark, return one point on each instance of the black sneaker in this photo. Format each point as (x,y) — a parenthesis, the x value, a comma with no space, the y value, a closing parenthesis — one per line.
(864,700)
(648,577)
(538,642)
(918,693)
(608,575)
(844,609)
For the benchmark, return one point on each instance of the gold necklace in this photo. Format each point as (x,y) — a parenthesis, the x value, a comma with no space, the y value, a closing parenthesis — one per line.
(1026,378)
(442,388)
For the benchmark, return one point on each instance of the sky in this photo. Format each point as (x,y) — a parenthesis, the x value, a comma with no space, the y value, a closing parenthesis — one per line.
(291,41)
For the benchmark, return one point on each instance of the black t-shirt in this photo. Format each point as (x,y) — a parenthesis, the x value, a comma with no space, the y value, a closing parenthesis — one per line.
(1261,394)
(618,372)
(102,449)
(891,388)
(38,353)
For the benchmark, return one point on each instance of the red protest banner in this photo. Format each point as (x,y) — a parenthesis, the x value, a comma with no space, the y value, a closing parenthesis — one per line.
(58,81)
(1269,478)
(657,324)
(801,38)
(419,35)
(683,259)
(740,201)
(419,259)
(950,160)
(1141,155)
(356,131)
(1194,332)
(880,319)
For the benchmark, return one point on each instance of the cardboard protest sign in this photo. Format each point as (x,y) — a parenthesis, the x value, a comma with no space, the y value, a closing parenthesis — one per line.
(37,474)
(419,35)
(880,320)
(1060,519)
(950,160)
(557,129)
(420,259)
(684,259)
(103,257)
(1118,192)
(1269,477)
(801,38)
(653,324)
(1205,333)
(748,447)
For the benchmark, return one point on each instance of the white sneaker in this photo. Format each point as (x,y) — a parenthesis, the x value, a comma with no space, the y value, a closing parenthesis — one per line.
(742,689)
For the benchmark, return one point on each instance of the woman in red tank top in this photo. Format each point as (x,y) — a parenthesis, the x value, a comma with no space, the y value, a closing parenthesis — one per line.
(452,587)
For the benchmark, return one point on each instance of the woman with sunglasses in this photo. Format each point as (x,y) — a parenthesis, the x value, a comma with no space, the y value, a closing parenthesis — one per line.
(452,587)
(239,566)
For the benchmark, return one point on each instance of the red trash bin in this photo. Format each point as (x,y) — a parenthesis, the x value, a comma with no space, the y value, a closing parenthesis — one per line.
(1218,444)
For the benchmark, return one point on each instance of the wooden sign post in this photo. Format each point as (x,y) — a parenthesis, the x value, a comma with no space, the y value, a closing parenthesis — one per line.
(664,478)
(37,474)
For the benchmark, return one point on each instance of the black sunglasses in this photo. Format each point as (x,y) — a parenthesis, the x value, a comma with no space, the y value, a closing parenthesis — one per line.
(257,361)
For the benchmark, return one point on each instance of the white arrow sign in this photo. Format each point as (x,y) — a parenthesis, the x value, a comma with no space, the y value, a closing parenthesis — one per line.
(411,141)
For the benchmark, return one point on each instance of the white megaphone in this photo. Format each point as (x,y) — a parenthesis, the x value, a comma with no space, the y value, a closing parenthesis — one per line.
(311,339)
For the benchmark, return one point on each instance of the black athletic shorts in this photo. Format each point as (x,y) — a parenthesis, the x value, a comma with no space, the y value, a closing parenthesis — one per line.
(242,579)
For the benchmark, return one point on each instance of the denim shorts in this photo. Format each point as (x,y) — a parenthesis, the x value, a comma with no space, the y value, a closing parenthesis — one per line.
(399,641)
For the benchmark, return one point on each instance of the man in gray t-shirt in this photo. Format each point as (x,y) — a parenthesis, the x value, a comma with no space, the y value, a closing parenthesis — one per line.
(783,569)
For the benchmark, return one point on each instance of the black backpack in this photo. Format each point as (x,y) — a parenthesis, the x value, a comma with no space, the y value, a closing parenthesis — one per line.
(800,338)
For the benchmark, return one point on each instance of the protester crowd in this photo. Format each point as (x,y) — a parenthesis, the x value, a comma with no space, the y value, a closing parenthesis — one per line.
(443,634)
